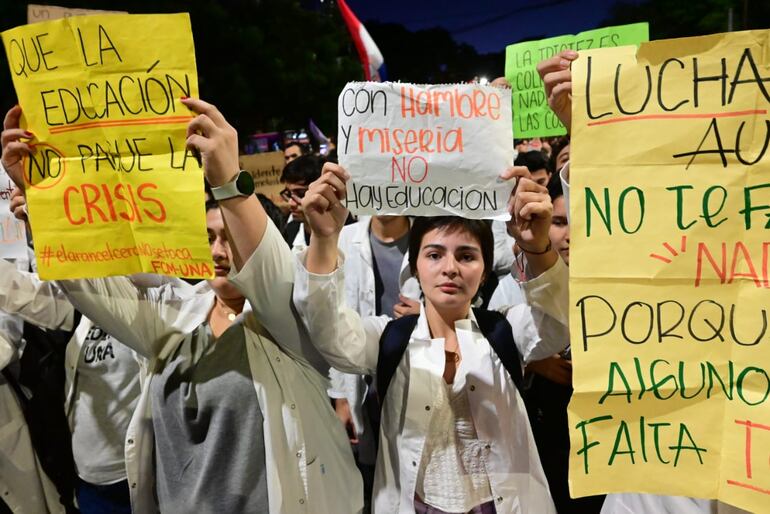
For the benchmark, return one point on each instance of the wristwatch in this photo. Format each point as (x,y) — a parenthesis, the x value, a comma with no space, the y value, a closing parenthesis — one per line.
(241,185)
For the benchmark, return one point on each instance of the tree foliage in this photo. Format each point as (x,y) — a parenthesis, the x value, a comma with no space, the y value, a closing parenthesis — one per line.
(677,18)
(267,64)
(431,56)
(272,64)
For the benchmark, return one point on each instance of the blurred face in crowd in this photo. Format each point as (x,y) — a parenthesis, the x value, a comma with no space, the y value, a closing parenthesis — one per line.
(293,193)
(222,256)
(541,176)
(291,152)
(522,146)
(450,268)
(562,158)
(500,82)
(527,145)
(559,230)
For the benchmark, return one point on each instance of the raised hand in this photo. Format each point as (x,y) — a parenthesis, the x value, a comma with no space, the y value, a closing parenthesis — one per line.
(19,204)
(531,216)
(14,146)
(217,141)
(557,79)
(322,204)
(405,307)
(514,173)
(531,212)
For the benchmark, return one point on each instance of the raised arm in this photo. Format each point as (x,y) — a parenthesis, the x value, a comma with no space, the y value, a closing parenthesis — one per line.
(348,343)
(540,325)
(531,210)
(143,318)
(556,74)
(326,216)
(557,81)
(217,141)
(15,147)
(35,301)
(264,268)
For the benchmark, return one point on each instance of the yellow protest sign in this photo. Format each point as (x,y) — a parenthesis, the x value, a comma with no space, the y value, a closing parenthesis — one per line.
(111,187)
(670,196)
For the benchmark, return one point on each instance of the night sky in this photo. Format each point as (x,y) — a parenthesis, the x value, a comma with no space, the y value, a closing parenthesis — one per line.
(489,25)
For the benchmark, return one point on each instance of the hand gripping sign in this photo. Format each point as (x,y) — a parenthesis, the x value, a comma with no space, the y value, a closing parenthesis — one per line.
(111,188)
(426,150)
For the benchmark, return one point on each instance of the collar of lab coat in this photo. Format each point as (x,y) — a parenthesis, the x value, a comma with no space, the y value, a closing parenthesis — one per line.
(422,330)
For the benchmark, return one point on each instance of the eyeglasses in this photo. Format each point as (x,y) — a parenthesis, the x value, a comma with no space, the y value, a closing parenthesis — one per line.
(297,194)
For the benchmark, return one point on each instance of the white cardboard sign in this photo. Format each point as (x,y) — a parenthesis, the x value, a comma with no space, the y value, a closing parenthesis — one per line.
(13,236)
(426,150)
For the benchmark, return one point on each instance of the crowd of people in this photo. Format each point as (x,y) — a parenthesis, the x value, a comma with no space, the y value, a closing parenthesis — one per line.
(383,364)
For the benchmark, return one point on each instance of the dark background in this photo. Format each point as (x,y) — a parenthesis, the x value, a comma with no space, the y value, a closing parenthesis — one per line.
(272,64)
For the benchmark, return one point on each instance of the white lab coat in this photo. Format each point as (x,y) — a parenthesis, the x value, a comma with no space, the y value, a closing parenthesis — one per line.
(43,304)
(360,296)
(24,486)
(307,454)
(351,344)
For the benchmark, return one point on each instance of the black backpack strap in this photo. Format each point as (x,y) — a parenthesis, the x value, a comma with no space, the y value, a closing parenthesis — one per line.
(42,372)
(497,331)
(393,343)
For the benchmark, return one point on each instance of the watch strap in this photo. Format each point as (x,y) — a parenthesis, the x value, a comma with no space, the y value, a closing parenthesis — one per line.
(228,190)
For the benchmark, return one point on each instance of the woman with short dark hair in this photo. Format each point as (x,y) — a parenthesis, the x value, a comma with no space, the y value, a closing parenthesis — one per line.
(454,433)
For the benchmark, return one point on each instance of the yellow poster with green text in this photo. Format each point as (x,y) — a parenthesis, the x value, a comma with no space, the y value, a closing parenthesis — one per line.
(670,288)
(111,188)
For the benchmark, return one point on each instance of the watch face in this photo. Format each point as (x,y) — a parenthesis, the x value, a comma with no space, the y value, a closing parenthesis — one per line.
(245,183)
